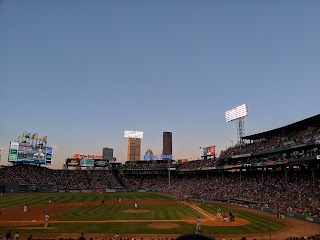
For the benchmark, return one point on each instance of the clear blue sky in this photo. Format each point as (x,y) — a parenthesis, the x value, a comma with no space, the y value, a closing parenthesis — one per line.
(82,72)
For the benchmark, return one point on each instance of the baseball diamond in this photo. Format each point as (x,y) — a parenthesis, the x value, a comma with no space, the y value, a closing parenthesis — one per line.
(158,216)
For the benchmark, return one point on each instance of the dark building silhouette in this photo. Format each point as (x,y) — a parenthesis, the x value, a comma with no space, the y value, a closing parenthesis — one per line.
(107,153)
(167,143)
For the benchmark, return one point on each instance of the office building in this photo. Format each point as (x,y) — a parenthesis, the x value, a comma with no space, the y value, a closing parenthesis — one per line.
(107,153)
(167,143)
(134,149)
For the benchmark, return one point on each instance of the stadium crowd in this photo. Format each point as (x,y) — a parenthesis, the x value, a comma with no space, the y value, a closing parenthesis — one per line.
(277,140)
(298,194)
(59,179)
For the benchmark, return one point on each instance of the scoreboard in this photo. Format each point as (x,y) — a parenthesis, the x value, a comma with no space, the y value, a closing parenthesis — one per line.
(29,153)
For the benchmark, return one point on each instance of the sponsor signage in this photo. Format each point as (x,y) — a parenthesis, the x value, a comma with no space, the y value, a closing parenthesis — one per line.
(309,219)
(300,145)
(288,143)
(74,191)
(317,142)
(242,155)
(80,156)
(87,162)
(101,163)
(272,163)
(150,157)
(73,162)
(86,191)
(282,161)
(318,157)
(212,150)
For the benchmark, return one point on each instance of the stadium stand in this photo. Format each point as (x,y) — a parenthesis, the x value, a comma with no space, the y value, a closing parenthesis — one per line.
(278,169)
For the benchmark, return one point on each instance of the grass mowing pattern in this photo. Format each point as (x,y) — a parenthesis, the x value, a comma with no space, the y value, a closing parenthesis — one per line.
(18,200)
(257,224)
(115,212)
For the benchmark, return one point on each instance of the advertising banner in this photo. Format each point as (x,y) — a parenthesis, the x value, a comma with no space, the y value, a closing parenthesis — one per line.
(13,152)
(212,150)
(73,162)
(87,162)
(81,156)
(101,163)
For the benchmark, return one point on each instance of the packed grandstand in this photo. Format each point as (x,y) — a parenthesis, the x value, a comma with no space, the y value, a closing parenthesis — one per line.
(277,169)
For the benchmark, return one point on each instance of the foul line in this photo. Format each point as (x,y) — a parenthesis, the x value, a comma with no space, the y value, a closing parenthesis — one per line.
(201,211)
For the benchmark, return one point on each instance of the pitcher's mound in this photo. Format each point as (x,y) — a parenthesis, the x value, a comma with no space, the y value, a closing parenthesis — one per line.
(163,225)
(136,211)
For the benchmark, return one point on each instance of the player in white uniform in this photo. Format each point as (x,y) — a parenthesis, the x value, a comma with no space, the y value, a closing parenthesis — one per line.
(198,225)
(25,207)
(135,205)
(218,213)
(46,220)
(50,201)
(120,199)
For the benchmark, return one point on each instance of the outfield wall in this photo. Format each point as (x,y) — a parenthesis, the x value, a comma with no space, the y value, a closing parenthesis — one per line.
(289,214)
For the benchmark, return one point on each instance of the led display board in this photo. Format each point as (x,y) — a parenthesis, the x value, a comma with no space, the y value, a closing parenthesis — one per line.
(29,153)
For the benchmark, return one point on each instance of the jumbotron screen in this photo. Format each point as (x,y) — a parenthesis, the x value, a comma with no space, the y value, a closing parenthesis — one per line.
(30,153)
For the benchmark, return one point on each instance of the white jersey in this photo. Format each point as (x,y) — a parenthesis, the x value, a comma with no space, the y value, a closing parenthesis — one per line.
(25,208)
(198,221)
(46,218)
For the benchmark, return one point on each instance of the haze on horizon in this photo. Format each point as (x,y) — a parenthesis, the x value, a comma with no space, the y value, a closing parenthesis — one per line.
(82,72)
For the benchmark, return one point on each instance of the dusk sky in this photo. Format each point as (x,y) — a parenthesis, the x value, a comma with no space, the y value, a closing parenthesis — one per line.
(83,72)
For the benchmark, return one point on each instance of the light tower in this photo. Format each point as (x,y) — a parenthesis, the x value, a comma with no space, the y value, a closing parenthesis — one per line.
(237,115)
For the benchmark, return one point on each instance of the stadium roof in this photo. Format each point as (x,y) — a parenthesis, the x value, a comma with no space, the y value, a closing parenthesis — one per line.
(289,127)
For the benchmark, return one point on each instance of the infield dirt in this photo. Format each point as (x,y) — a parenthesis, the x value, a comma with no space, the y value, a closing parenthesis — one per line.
(35,215)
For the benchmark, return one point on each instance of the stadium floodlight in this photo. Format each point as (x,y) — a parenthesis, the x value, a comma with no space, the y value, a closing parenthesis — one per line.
(236,113)
(133,134)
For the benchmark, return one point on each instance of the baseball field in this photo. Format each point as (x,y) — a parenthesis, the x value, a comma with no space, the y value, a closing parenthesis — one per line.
(157,216)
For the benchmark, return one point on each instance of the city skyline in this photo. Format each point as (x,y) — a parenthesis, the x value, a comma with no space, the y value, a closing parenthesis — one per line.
(84,72)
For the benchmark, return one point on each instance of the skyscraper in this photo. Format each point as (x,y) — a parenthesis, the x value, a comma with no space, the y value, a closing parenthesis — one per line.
(107,153)
(167,143)
(134,148)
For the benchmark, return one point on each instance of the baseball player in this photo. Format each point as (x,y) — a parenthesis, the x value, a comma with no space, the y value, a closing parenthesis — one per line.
(231,216)
(198,225)
(135,205)
(46,220)
(25,207)
(225,217)
(50,201)
(120,199)
(218,213)
(116,236)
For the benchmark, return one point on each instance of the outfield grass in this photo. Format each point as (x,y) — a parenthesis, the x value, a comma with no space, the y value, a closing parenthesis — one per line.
(18,200)
(115,212)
